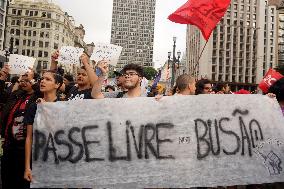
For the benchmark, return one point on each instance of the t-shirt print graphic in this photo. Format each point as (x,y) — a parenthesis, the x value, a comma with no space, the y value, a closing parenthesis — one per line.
(18,128)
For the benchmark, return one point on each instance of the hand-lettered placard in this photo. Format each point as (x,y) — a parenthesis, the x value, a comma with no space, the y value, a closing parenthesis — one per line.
(20,64)
(70,55)
(177,142)
(107,52)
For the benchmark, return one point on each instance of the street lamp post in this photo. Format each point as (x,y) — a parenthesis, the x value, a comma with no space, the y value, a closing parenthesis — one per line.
(173,61)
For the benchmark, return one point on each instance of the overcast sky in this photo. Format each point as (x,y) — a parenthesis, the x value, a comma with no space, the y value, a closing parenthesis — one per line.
(95,15)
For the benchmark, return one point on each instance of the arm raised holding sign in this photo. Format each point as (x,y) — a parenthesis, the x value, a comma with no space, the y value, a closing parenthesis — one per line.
(90,71)
(54,57)
(97,88)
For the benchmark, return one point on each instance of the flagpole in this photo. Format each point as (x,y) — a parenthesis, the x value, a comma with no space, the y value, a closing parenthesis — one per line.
(197,63)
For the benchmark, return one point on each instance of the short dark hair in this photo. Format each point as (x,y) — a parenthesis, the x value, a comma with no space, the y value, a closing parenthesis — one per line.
(14,79)
(278,89)
(69,77)
(57,77)
(219,86)
(200,85)
(137,68)
(110,87)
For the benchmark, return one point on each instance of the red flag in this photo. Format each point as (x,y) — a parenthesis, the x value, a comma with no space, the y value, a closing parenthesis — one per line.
(205,14)
(269,79)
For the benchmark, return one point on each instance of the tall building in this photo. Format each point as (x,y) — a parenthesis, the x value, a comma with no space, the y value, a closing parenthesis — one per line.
(133,29)
(3,7)
(281,36)
(38,28)
(240,50)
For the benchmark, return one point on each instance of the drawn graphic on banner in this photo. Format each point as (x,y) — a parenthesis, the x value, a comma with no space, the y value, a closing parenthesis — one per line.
(20,64)
(203,141)
(107,52)
(70,55)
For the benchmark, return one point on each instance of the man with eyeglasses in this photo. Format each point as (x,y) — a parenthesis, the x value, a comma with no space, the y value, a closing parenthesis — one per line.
(133,75)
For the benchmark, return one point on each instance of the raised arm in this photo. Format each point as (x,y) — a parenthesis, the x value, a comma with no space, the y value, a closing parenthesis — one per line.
(54,57)
(28,151)
(97,87)
(89,69)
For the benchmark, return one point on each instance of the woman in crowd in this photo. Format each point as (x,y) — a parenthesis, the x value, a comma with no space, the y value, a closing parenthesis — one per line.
(49,85)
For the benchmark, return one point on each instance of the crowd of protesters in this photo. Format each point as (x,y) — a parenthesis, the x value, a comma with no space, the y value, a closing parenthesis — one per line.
(20,96)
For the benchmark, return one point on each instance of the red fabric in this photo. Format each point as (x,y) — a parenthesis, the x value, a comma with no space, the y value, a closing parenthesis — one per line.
(269,79)
(205,14)
(242,91)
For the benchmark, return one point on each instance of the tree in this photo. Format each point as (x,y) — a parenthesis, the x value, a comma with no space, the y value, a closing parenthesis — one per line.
(149,73)
(280,68)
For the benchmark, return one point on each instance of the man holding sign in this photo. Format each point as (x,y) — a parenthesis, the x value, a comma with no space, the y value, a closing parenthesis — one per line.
(85,79)
(133,75)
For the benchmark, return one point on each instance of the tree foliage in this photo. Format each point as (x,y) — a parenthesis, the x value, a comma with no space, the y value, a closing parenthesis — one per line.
(149,73)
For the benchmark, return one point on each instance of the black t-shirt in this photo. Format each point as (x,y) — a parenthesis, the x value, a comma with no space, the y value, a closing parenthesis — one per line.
(30,115)
(31,112)
(75,94)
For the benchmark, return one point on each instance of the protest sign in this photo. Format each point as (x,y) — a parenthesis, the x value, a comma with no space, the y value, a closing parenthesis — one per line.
(107,52)
(70,55)
(180,141)
(277,3)
(20,64)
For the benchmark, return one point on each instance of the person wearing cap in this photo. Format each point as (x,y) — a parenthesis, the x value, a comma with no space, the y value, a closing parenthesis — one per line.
(133,75)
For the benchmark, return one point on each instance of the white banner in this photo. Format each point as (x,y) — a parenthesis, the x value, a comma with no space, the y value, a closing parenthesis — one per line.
(180,141)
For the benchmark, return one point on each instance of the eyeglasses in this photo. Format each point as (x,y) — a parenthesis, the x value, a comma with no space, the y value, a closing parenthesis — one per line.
(131,74)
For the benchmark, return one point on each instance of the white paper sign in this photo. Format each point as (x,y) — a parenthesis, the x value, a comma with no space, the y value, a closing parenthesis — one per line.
(278,3)
(178,142)
(107,52)
(20,64)
(70,55)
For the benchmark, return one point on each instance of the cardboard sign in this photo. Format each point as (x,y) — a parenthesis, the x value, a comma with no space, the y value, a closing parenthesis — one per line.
(70,55)
(20,64)
(107,52)
(178,142)
(269,79)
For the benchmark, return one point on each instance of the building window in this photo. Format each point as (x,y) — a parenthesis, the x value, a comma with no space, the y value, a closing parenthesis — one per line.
(40,44)
(39,53)
(17,42)
(45,54)
(44,66)
(55,45)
